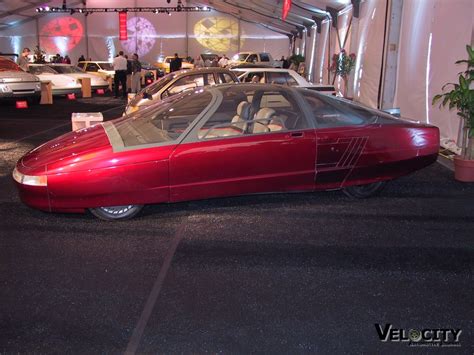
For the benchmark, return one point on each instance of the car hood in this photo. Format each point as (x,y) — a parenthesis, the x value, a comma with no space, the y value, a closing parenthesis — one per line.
(16,76)
(80,145)
(60,80)
(95,79)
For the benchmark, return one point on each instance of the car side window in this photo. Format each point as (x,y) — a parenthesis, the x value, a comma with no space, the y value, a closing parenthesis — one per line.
(81,65)
(224,78)
(92,67)
(187,82)
(264,57)
(252,58)
(209,79)
(254,77)
(290,80)
(253,112)
(330,112)
(276,78)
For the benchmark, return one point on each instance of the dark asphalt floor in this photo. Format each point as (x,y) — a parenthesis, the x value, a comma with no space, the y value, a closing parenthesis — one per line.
(287,273)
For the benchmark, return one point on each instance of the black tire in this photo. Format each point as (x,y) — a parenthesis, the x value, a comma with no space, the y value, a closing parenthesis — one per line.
(115,213)
(364,191)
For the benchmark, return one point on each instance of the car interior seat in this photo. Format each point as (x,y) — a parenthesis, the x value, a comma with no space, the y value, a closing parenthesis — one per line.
(243,112)
(263,116)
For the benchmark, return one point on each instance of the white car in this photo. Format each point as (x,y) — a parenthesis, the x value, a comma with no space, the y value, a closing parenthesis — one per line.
(97,82)
(261,58)
(15,83)
(99,68)
(286,77)
(62,84)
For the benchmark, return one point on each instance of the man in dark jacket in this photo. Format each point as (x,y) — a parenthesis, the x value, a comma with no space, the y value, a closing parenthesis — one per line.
(175,63)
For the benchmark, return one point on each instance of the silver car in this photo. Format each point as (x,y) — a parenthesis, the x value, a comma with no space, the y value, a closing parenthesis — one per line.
(15,83)
(177,82)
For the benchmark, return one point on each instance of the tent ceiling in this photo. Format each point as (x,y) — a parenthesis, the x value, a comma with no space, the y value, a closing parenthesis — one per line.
(264,12)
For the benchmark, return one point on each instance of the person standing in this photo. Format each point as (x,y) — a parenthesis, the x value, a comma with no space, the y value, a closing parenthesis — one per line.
(136,73)
(120,77)
(67,60)
(175,63)
(23,59)
(215,61)
(223,61)
(198,63)
(81,58)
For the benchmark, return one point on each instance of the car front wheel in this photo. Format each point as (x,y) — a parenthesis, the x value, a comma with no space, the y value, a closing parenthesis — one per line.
(114,213)
(364,191)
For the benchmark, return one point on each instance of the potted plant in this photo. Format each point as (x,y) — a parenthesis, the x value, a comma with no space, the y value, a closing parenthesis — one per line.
(342,65)
(461,98)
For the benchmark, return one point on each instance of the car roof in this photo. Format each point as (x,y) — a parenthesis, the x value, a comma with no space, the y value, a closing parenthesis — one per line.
(203,70)
(249,65)
(94,61)
(266,69)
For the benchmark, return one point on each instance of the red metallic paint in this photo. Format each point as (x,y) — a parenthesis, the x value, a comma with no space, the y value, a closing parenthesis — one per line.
(84,172)
(242,165)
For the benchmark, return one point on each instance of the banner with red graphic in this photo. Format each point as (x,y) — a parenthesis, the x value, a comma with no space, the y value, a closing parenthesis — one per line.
(286,8)
(123,26)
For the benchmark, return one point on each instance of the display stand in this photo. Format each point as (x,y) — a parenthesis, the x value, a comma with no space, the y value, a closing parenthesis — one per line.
(110,80)
(86,87)
(46,93)
(85,119)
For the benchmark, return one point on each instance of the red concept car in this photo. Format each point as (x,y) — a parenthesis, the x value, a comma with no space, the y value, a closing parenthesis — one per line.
(220,141)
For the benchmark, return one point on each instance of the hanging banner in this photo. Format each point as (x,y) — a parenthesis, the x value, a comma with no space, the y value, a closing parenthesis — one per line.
(123,26)
(286,8)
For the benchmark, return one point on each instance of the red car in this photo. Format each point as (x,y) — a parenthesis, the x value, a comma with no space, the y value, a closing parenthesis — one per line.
(225,140)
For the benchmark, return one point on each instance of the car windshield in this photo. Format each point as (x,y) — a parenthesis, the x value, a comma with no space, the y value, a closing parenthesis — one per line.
(160,123)
(243,56)
(8,65)
(41,69)
(105,66)
(66,69)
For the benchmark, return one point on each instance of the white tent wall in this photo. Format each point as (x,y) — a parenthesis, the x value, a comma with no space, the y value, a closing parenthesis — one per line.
(13,41)
(254,39)
(151,35)
(369,52)
(433,36)
(321,67)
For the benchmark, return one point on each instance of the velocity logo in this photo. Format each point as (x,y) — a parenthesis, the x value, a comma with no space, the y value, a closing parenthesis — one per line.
(427,337)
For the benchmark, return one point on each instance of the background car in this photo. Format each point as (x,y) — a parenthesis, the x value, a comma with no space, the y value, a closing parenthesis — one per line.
(176,82)
(102,68)
(150,73)
(16,84)
(164,64)
(221,141)
(62,84)
(252,57)
(97,82)
(288,77)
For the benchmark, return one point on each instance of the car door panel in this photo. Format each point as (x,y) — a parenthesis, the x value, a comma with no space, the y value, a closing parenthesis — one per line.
(270,162)
(338,150)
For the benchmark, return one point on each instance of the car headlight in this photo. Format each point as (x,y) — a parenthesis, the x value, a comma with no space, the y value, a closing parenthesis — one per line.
(29,179)
(4,88)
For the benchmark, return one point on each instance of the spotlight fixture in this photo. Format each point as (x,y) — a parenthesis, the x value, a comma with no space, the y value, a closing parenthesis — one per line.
(157,10)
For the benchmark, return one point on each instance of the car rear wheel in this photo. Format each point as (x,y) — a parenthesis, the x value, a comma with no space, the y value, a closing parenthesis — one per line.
(114,213)
(364,191)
